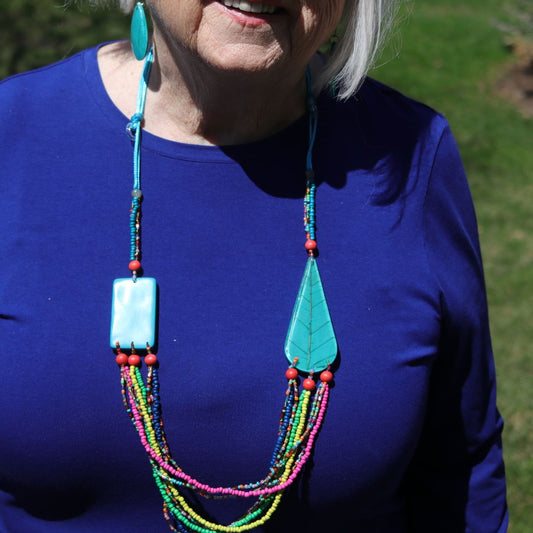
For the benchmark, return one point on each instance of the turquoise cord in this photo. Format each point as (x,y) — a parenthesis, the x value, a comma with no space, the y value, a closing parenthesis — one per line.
(134,129)
(309,201)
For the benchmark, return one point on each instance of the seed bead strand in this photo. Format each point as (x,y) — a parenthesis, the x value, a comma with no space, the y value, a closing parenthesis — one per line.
(273,470)
(142,419)
(287,414)
(152,386)
(186,514)
(285,424)
(247,486)
(143,401)
(283,449)
(251,525)
(137,390)
(153,376)
(122,361)
(141,416)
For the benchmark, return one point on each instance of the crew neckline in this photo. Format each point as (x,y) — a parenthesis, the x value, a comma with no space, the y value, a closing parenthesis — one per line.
(174,149)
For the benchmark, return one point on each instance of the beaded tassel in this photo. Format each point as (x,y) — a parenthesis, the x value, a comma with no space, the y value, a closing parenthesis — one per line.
(301,416)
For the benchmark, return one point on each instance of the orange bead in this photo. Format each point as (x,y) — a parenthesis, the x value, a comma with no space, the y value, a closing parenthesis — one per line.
(326,376)
(310,245)
(134,360)
(308,384)
(134,265)
(291,373)
(121,359)
(150,359)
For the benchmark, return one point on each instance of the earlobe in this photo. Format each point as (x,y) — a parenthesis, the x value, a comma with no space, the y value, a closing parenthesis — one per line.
(139,32)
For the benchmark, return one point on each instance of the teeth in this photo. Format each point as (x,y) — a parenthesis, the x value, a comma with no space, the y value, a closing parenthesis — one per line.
(249,7)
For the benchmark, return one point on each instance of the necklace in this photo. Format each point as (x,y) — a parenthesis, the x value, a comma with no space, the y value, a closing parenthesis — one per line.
(310,348)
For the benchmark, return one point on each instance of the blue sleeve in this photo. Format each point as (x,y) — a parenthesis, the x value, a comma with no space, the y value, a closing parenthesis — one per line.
(456,481)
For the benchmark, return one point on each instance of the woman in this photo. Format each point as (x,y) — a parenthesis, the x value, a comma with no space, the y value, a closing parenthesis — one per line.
(226,141)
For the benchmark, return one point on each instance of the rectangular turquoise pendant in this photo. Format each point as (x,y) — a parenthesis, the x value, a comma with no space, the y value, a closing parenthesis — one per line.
(133,313)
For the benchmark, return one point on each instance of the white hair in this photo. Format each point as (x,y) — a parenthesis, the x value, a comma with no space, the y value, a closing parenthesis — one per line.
(366,24)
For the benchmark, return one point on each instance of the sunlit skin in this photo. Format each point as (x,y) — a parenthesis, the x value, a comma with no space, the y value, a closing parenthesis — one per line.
(217,65)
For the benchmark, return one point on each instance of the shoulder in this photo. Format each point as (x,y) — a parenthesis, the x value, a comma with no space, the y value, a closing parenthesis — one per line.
(374,92)
(51,77)
(386,128)
(383,118)
(387,140)
(45,104)
(47,91)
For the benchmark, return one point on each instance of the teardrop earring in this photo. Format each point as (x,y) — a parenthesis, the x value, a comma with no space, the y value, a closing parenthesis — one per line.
(139,32)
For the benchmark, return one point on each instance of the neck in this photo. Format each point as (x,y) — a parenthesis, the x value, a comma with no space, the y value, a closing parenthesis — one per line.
(201,105)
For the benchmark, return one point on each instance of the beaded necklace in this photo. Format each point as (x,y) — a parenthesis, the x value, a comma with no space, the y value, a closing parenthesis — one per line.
(310,348)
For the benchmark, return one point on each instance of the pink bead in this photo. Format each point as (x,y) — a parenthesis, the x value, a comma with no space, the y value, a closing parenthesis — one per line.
(291,373)
(150,359)
(121,359)
(134,360)
(308,384)
(134,265)
(326,376)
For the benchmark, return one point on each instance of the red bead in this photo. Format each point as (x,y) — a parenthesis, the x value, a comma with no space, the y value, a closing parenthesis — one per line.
(326,376)
(121,359)
(308,384)
(310,245)
(134,265)
(291,373)
(134,360)
(150,359)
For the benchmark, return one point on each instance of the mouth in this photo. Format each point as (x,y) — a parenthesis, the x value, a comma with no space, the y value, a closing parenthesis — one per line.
(253,8)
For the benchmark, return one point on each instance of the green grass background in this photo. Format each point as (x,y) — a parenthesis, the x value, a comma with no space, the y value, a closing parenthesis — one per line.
(449,54)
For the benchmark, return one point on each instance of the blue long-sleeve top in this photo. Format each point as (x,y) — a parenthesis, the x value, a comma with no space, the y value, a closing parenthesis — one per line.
(411,442)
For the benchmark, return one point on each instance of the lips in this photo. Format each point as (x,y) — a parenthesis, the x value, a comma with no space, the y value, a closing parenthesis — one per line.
(256,8)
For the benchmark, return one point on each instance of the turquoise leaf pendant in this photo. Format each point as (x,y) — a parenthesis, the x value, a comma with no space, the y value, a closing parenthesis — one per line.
(311,338)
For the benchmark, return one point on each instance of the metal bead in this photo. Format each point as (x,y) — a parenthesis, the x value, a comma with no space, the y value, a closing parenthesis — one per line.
(136,193)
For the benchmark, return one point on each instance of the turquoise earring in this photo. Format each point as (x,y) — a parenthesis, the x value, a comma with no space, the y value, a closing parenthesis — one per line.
(139,32)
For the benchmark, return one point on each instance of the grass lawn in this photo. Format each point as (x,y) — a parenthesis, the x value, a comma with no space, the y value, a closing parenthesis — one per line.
(451,54)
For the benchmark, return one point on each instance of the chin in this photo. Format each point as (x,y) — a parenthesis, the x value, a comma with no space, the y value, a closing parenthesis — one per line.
(245,58)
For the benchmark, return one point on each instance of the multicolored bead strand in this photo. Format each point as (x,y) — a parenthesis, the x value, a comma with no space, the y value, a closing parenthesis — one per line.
(302,413)
(300,420)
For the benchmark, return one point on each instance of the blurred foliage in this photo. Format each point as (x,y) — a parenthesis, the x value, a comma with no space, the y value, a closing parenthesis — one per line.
(37,33)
